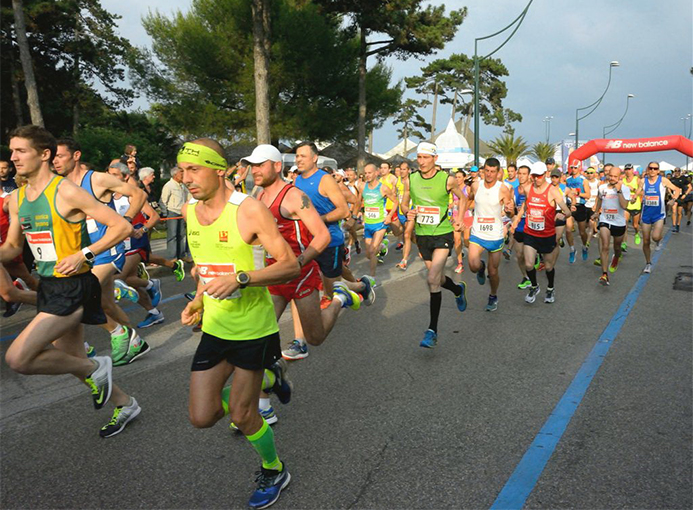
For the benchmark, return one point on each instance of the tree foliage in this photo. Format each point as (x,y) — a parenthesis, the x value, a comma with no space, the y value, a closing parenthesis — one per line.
(509,147)
(411,120)
(542,150)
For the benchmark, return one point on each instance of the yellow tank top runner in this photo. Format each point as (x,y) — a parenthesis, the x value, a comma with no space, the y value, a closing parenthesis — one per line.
(219,250)
(633,185)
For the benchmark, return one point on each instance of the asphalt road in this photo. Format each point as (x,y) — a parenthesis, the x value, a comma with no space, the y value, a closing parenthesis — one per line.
(378,422)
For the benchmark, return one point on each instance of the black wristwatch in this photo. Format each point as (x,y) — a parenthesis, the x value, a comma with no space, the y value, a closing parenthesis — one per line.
(243,279)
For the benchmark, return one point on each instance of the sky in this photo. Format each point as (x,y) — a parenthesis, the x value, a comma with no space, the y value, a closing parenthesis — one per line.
(558,61)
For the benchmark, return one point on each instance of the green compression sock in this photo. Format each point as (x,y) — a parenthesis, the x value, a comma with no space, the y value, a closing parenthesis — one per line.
(263,442)
(225,396)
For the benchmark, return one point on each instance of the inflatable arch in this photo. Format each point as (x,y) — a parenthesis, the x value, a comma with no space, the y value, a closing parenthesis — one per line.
(662,143)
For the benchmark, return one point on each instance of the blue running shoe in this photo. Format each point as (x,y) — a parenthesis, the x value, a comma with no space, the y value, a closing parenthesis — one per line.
(151,319)
(297,349)
(481,274)
(461,300)
(270,484)
(571,257)
(351,299)
(430,339)
(369,291)
(492,305)
(282,386)
(155,292)
(585,253)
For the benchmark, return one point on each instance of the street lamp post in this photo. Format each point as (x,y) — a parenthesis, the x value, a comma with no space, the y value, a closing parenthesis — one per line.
(615,125)
(517,20)
(547,127)
(594,106)
(687,134)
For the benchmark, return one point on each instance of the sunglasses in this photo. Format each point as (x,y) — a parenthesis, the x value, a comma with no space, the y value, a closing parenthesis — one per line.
(591,173)
(574,167)
(653,168)
(555,177)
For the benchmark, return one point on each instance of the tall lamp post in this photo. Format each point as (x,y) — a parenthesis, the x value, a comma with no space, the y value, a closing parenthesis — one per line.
(690,129)
(593,106)
(615,125)
(477,59)
(547,127)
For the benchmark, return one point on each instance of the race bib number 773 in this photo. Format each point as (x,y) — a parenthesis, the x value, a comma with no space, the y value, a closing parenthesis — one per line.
(427,215)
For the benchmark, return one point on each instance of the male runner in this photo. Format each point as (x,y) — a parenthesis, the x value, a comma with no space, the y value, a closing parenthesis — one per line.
(490,197)
(593,183)
(653,189)
(126,344)
(429,190)
(612,200)
(408,235)
(580,194)
(375,195)
(632,180)
(51,212)
(681,182)
(540,230)
(520,193)
(240,335)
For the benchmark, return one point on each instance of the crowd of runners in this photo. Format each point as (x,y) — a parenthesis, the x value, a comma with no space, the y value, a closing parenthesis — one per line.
(263,238)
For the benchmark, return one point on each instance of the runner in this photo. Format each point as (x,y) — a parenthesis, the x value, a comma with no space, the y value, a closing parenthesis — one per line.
(408,234)
(428,190)
(126,344)
(240,335)
(51,212)
(612,200)
(653,189)
(560,219)
(490,197)
(518,227)
(374,195)
(593,183)
(580,194)
(540,230)
(458,236)
(682,183)
(633,210)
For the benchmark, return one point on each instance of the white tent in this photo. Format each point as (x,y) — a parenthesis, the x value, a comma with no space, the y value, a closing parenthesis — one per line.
(663,165)
(453,149)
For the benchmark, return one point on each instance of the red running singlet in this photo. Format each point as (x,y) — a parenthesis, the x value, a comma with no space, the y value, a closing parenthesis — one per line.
(540,214)
(294,231)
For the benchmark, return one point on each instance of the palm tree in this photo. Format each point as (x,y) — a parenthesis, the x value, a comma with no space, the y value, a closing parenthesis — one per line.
(509,147)
(542,150)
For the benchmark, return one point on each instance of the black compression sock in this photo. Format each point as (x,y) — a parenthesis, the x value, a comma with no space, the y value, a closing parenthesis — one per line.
(550,275)
(452,286)
(436,300)
(532,275)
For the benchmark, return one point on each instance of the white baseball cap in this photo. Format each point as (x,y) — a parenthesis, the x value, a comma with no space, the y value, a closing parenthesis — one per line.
(538,168)
(427,148)
(262,153)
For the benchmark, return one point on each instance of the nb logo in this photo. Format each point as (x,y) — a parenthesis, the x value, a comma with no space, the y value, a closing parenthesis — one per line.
(614,144)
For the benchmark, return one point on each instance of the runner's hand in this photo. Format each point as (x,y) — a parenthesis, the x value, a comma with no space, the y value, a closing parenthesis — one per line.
(138,233)
(387,220)
(411,215)
(458,226)
(70,264)
(192,313)
(221,287)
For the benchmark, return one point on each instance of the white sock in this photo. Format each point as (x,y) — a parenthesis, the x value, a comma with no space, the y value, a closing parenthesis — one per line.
(119,330)
(340,297)
(572,249)
(150,284)
(265,404)
(155,311)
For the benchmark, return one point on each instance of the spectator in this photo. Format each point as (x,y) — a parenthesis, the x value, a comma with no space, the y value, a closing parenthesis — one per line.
(7,177)
(146,176)
(173,195)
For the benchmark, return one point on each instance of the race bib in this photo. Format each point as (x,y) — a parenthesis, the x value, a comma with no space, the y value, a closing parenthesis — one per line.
(208,272)
(652,200)
(610,214)
(486,225)
(127,243)
(372,213)
(536,220)
(92,228)
(426,215)
(42,246)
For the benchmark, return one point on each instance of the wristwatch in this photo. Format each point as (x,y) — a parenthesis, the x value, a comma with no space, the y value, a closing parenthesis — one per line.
(243,279)
(88,254)
(145,229)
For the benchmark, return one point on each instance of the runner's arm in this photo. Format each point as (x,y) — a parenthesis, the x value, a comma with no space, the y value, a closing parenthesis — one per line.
(586,191)
(392,196)
(406,198)
(518,216)
(137,196)
(558,198)
(457,191)
(330,189)
(153,216)
(300,205)
(675,190)
(348,195)
(14,244)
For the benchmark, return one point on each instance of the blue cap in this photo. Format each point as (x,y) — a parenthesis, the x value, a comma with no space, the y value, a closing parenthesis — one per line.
(475,168)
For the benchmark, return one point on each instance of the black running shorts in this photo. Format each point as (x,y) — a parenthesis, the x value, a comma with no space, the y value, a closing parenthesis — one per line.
(247,354)
(581,213)
(543,245)
(62,296)
(615,231)
(427,244)
(331,261)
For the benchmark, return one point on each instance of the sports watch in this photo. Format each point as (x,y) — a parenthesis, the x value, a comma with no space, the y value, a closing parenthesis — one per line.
(88,254)
(243,279)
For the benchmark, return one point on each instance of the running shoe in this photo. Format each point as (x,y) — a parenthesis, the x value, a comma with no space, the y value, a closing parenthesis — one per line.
(369,291)
(531,296)
(155,292)
(101,381)
(571,257)
(142,271)
(347,255)
(492,304)
(136,349)
(121,290)
(525,283)
(461,300)
(614,264)
(561,243)
(352,299)
(384,248)
(282,386)
(537,262)
(675,229)
(550,296)
(598,262)
(298,349)
(624,247)
(659,246)
(358,248)
(270,484)
(121,343)
(381,260)
(11,309)
(190,295)
(179,270)
(151,319)
(91,352)
(460,268)
(604,279)
(648,268)
(507,254)
(481,274)
(587,245)
(325,301)
(402,265)
(585,252)
(430,339)
(122,415)
(400,245)
(637,238)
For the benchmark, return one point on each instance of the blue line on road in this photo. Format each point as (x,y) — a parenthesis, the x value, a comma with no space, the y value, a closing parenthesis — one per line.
(125,309)
(526,475)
